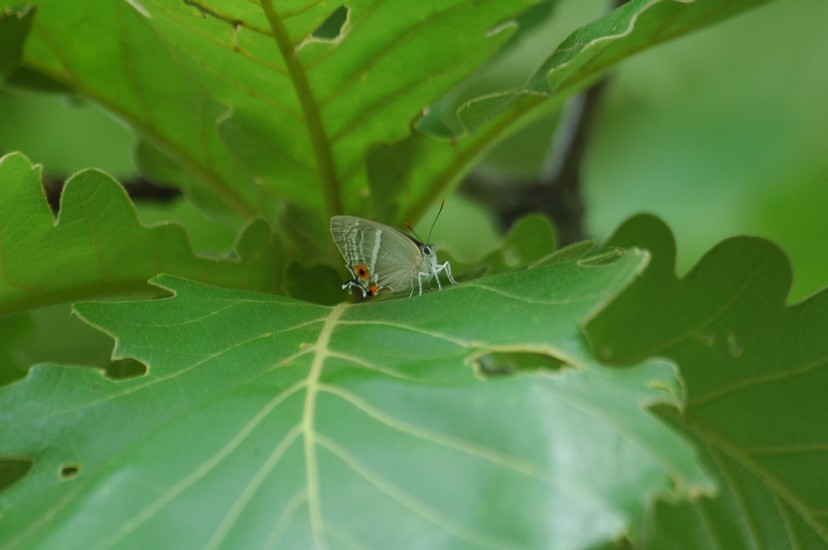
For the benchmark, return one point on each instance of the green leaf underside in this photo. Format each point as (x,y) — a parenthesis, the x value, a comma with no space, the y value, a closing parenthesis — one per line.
(755,376)
(97,247)
(265,421)
(312,107)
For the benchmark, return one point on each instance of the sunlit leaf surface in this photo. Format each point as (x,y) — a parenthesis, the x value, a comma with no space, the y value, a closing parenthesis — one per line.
(264,421)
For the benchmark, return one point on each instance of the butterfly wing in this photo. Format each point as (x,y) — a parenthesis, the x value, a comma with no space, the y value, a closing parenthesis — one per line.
(392,258)
(399,262)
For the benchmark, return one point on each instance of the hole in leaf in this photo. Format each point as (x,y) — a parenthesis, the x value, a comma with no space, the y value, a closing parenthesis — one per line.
(12,470)
(331,28)
(125,368)
(69,471)
(506,363)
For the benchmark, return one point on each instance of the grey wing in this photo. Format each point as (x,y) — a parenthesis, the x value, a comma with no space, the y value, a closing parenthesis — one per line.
(391,256)
(355,238)
(348,232)
(399,261)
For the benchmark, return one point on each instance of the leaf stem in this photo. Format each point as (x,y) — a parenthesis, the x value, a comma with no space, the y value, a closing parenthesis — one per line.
(310,109)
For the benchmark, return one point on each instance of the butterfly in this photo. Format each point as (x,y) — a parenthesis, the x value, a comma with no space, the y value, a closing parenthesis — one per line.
(384,259)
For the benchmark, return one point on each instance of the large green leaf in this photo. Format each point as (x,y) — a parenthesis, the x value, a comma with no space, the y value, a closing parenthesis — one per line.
(755,375)
(97,247)
(264,421)
(297,110)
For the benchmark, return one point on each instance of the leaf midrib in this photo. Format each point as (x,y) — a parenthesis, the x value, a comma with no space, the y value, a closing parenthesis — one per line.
(320,143)
(321,353)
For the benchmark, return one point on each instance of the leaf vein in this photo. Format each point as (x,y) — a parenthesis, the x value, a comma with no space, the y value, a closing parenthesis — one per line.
(370,366)
(440,336)
(152,380)
(204,468)
(746,518)
(511,462)
(764,477)
(256,481)
(282,524)
(754,381)
(436,517)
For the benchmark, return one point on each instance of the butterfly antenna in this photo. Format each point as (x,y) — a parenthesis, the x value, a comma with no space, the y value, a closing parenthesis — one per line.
(442,204)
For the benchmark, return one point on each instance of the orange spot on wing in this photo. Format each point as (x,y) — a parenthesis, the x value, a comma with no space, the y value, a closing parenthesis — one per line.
(362,272)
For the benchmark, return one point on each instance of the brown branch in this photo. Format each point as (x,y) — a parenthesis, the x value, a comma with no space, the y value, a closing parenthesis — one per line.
(556,192)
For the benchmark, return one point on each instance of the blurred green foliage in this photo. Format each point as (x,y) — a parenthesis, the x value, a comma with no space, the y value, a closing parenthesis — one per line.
(724,133)
(720,133)
(64,134)
(745,152)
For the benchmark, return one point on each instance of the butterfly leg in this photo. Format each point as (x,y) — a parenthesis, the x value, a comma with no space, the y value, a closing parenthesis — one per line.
(355,283)
(447,269)
(443,267)
(435,274)
(419,282)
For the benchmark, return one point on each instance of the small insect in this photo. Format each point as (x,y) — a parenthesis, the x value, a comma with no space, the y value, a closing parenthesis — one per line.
(384,259)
